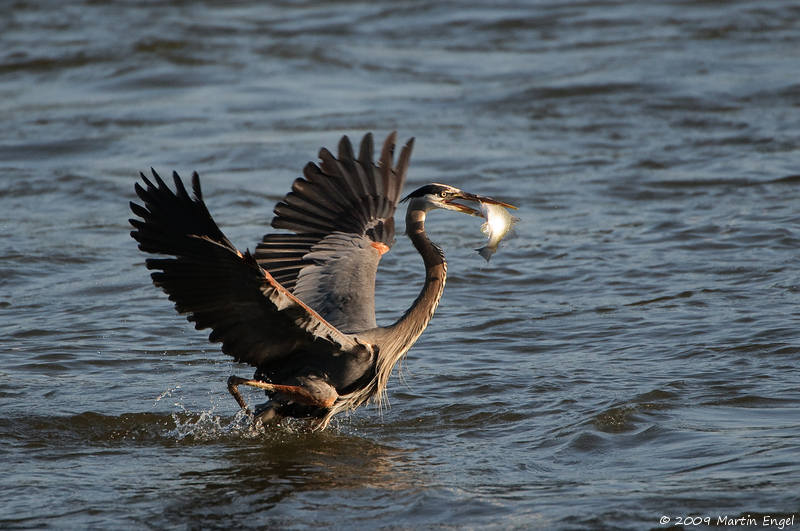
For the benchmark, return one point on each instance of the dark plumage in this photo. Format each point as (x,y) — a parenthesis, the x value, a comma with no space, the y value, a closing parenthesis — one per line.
(301,308)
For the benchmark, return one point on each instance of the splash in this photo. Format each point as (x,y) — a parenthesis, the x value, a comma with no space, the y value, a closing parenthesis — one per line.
(193,424)
(167,394)
(211,426)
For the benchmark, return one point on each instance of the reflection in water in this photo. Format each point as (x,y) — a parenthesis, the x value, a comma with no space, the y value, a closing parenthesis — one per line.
(264,475)
(243,470)
(275,469)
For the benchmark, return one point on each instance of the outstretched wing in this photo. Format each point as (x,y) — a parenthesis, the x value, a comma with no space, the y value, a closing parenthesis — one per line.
(256,319)
(342,216)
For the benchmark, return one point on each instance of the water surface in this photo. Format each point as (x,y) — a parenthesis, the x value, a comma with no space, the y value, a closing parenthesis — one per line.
(630,353)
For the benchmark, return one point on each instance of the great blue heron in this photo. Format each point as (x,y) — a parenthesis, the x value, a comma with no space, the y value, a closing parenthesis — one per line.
(301,309)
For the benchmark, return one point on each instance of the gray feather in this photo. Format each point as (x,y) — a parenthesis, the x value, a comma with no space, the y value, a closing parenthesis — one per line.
(336,211)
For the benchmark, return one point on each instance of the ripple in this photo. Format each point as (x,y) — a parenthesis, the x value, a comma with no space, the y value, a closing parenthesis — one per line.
(634,342)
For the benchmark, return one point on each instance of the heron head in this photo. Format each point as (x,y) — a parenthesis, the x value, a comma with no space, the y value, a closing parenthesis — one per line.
(444,196)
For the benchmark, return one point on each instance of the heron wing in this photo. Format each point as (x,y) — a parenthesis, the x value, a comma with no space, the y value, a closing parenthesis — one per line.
(339,281)
(341,214)
(255,318)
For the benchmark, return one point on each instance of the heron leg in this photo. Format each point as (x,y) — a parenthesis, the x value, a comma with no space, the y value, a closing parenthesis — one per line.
(297,393)
(233,389)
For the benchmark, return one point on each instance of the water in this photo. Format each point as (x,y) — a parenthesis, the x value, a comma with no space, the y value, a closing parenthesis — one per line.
(630,354)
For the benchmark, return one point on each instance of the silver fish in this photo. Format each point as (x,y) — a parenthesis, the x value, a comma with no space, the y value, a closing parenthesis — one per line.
(498,223)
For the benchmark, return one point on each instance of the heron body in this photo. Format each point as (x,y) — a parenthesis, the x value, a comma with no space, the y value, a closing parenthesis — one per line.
(301,308)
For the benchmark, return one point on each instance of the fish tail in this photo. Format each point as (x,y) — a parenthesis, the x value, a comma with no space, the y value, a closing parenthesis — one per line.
(486,252)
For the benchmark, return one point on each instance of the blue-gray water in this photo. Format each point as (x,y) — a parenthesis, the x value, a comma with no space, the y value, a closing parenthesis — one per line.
(630,354)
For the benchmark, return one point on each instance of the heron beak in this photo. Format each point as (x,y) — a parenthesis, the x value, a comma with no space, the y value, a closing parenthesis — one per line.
(478,199)
(460,208)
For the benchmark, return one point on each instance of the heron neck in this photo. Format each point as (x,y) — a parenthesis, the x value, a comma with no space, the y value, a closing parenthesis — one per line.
(395,340)
(411,325)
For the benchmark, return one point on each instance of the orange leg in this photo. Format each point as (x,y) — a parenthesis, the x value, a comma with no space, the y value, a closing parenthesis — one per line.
(296,392)
(233,389)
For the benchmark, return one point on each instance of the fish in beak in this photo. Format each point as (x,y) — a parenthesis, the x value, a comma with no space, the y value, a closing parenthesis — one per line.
(498,220)
(498,224)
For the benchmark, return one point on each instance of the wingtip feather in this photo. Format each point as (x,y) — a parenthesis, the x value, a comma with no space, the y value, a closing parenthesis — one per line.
(196,190)
(345,149)
(387,152)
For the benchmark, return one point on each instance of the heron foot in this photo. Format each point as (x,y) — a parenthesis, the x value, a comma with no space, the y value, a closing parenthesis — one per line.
(265,413)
